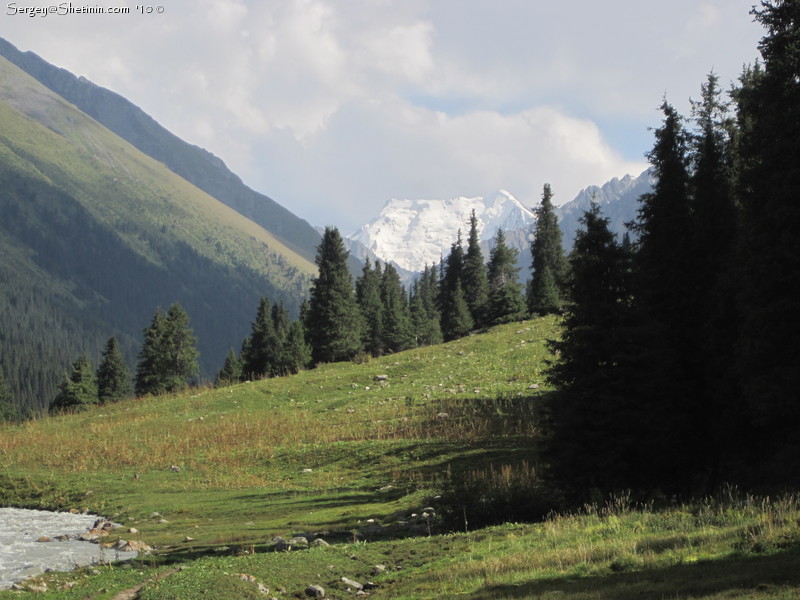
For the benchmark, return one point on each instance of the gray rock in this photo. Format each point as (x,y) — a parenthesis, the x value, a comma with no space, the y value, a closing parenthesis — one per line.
(319,543)
(315,591)
(352,584)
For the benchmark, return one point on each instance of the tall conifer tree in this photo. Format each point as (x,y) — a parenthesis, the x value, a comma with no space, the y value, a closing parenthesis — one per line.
(666,298)
(505,292)
(548,261)
(769,364)
(333,324)
(259,350)
(368,297)
(113,375)
(456,317)
(168,358)
(597,436)
(474,278)
(78,390)
(397,333)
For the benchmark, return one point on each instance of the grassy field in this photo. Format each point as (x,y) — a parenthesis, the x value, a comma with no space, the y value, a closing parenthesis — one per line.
(356,453)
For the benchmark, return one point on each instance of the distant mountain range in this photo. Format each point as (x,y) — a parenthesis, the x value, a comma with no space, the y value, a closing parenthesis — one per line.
(95,235)
(413,233)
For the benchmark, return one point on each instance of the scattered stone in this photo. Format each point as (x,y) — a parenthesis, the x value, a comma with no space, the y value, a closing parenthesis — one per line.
(131,546)
(62,538)
(44,538)
(188,539)
(368,585)
(68,585)
(133,530)
(442,415)
(352,584)
(103,524)
(319,543)
(533,386)
(315,591)
(162,521)
(308,470)
(155,515)
(378,569)
(175,469)
(37,588)
(245,577)
(298,542)
(380,378)
(263,589)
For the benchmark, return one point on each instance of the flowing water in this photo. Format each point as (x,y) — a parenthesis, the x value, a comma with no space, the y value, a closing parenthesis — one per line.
(21,555)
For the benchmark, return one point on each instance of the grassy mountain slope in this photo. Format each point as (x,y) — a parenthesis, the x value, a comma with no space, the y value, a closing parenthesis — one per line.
(95,235)
(194,164)
(332,450)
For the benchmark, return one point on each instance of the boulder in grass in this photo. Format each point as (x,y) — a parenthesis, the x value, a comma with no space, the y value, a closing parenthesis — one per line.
(315,591)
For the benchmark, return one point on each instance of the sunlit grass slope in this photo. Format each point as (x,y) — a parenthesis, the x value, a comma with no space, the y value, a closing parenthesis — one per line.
(350,450)
(121,185)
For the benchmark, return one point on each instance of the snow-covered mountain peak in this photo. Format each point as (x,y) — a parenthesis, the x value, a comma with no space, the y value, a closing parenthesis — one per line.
(412,233)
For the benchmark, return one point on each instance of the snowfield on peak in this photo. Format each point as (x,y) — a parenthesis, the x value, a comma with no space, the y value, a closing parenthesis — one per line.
(413,233)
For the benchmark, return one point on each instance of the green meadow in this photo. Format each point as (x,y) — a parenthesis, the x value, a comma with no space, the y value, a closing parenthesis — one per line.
(358,454)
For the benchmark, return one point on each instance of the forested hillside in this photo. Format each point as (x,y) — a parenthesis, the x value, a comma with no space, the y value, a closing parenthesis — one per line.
(95,235)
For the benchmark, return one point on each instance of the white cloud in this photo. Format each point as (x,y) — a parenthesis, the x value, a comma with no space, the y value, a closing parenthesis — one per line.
(333,107)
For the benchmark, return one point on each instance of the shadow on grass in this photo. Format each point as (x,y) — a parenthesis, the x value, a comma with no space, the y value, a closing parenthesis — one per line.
(761,576)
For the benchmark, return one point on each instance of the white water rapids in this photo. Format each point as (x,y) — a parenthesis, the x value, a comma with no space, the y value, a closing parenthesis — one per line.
(21,555)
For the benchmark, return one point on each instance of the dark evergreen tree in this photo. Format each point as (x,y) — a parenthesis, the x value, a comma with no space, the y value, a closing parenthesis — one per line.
(113,375)
(425,317)
(368,297)
(505,302)
(456,317)
(397,333)
(549,263)
(231,371)
(769,362)
(260,350)
(598,436)
(474,278)
(714,262)
(8,409)
(296,353)
(666,298)
(78,390)
(168,358)
(333,324)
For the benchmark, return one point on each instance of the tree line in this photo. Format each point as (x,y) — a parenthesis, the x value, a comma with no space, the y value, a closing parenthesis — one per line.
(678,365)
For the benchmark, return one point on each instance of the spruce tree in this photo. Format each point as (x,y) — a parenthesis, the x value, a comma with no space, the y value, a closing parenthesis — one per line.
(716,316)
(548,261)
(333,323)
(78,390)
(113,375)
(168,358)
(296,353)
(666,298)
(505,303)
(456,317)
(769,364)
(260,349)
(368,297)
(397,333)
(425,316)
(474,278)
(231,371)
(597,436)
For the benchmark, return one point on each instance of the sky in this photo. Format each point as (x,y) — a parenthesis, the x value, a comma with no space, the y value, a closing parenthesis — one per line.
(334,107)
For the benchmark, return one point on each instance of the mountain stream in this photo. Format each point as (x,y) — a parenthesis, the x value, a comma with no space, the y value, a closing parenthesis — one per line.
(22,555)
